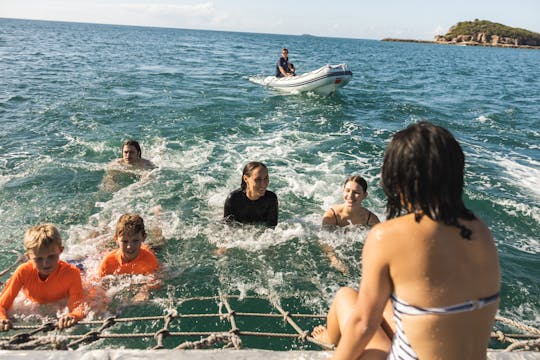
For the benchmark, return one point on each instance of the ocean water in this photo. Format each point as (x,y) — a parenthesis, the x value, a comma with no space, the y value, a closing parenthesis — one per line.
(71,93)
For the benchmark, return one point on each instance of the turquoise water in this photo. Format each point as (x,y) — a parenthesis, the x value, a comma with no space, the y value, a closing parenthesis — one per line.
(70,94)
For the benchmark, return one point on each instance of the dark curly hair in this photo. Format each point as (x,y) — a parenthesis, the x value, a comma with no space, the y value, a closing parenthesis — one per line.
(423,173)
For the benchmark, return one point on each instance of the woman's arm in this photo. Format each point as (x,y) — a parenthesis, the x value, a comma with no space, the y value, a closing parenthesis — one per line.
(375,290)
(228,210)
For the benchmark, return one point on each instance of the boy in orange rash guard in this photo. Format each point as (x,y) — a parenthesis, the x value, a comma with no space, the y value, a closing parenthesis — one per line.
(44,278)
(131,257)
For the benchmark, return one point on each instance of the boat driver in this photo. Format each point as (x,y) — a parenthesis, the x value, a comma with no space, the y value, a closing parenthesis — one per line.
(283,66)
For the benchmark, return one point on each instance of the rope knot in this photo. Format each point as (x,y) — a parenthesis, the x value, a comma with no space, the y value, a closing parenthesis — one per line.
(49,326)
(162,332)
(91,336)
(500,336)
(303,336)
(286,315)
(110,321)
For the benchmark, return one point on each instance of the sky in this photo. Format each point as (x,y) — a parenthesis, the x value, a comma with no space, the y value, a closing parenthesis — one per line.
(362,19)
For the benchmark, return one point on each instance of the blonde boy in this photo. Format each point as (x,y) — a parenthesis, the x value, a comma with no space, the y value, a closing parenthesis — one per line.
(44,278)
(131,257)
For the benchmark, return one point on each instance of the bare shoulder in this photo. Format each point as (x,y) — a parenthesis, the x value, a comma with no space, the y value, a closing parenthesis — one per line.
(147,164)
(373,219)
(329,217)
(379,235)
(116,162)
(379,246)
(478,228)
(389,227)
(387,235)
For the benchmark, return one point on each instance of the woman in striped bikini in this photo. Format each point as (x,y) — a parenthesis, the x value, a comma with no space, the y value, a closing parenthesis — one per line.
(433,264)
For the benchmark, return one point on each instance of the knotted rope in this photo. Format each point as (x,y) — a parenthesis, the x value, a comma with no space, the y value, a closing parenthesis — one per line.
(27,336)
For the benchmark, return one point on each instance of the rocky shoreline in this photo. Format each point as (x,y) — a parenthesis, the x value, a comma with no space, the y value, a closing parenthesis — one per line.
(483,33)
(462,42)
(409,40)
(483,39)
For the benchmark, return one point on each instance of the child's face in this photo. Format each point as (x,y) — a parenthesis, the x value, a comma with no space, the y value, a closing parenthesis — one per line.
(45,259)
(130,244)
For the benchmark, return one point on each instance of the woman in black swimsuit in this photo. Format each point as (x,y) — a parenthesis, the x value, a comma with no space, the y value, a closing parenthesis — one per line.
(252,203)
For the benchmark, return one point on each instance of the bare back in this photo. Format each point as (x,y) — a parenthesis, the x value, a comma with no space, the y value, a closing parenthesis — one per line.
(431,265)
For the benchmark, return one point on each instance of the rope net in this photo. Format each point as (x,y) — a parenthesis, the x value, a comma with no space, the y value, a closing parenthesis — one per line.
(174,329)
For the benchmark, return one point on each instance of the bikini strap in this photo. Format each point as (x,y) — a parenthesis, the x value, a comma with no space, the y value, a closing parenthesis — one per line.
(368,217)
(335,216)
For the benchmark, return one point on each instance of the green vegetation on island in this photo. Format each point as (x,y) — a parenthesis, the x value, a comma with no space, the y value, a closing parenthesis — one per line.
(484,33)
(487,33)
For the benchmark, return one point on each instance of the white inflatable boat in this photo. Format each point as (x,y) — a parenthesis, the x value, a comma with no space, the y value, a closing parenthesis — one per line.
(325,80)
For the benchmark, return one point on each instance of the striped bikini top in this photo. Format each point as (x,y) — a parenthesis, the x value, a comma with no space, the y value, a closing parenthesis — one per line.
(401,348)
(403,308)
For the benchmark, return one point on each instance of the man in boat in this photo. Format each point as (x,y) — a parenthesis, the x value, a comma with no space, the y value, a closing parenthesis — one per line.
(283,66)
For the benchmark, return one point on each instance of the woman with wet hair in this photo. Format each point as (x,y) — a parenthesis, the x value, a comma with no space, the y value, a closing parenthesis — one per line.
(351,212)
(252,203)
(433,264)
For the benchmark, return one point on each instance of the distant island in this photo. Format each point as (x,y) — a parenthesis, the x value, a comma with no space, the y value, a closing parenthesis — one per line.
(484,33)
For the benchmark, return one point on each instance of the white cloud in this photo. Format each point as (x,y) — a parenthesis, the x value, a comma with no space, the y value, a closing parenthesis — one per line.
(168,14)
(199,10)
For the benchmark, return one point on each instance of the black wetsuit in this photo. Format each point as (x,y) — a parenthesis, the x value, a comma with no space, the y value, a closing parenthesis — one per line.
(239,208)
(284,63)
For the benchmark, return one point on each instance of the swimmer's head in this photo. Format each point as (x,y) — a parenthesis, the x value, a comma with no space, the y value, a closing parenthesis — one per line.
(42,236)
(129,235)
(130,223)
(131,151)
(422,172)
(357,179)
(248,171)
(43,246)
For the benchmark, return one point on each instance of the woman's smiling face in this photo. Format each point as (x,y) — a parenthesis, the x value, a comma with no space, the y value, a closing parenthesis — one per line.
(353,194)
(256,182)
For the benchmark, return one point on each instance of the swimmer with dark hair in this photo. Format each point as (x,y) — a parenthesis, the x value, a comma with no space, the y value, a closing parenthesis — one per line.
(252,203)
(132,156)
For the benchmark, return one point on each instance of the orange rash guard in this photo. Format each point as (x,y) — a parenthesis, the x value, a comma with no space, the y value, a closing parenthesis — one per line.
(64,282)
(145,263)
